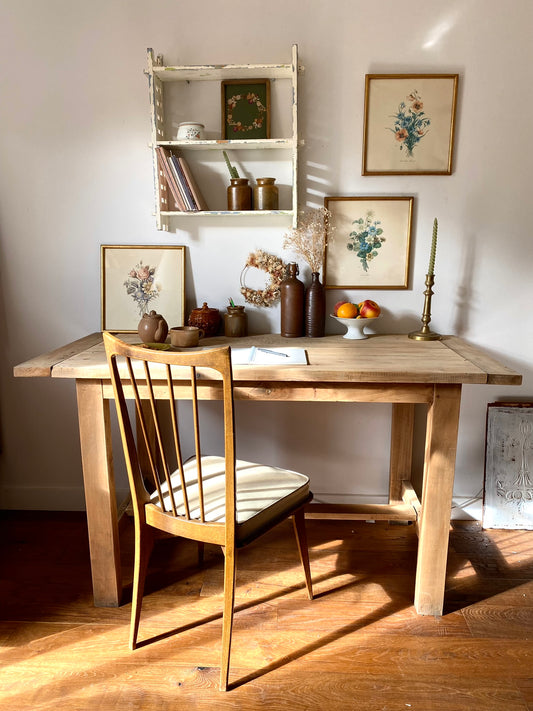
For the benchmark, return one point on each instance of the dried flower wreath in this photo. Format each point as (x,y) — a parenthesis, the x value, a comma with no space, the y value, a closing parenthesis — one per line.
(270,264)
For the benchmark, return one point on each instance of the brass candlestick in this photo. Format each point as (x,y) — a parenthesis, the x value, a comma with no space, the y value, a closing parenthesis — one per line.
(425,334)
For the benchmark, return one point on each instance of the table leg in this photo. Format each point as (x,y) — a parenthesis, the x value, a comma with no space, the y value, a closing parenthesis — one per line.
(401,450)
(99,483)
(437,490)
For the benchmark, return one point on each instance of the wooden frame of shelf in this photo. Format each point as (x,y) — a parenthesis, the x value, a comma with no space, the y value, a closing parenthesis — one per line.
(159,74)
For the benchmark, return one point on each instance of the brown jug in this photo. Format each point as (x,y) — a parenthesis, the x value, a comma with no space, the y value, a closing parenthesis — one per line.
(152,328)
(315,308)
(292,293)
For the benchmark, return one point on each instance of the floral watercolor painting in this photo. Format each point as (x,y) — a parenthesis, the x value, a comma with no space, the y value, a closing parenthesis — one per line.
(142,287)
(366,239)
(136,279)
(410,123)
(368,242)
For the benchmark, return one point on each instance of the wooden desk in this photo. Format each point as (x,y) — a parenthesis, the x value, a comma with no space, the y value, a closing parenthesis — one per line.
(388,369)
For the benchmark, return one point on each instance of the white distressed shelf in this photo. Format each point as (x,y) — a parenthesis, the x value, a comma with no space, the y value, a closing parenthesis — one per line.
(160,75)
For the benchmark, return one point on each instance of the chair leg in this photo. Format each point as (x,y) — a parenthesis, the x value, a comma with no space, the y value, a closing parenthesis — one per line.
(227,618)
(144,543)
(298,521)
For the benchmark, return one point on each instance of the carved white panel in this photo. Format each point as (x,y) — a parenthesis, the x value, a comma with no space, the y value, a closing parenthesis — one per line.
(508,496)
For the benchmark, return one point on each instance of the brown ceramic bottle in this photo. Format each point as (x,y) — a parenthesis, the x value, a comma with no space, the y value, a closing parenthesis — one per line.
(315,308)
(292,293)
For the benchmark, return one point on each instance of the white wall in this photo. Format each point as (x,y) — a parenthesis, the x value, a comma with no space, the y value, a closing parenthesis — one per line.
(75,172)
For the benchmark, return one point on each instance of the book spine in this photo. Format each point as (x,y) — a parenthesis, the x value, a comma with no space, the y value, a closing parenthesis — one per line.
(183,184)
(163,162)
(196,193)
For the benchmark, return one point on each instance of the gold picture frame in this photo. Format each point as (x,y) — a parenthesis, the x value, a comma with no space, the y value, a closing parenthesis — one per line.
(369,243)
(138,279)
(409,124)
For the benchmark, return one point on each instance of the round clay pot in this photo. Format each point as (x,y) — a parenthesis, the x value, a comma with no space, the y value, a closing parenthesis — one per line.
(206,318)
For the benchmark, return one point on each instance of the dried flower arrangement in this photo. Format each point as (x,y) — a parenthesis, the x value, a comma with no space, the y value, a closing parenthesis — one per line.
(308,239)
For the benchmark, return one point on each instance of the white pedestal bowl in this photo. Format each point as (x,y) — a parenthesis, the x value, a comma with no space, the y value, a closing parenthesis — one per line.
(355,326)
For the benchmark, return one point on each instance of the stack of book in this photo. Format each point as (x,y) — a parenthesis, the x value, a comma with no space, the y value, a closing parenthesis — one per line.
(183,188)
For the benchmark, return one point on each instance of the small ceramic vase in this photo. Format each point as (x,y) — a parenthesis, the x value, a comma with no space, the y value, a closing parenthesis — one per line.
(266,196)
(239,194)
(235,322)
(152,328)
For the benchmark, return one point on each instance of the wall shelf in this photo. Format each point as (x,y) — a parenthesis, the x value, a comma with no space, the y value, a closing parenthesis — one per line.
(168,110)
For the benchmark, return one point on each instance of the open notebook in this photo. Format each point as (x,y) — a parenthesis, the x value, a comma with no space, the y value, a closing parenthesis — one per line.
(255,355)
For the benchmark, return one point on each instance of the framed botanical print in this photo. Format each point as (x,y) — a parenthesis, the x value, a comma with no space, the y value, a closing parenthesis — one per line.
(409,124)
(245,109)
(368,245)
(138,279)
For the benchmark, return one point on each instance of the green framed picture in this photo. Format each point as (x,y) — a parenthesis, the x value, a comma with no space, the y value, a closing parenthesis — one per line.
(245,109)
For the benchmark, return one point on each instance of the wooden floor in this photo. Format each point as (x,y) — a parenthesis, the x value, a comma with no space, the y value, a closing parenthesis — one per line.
(358,645)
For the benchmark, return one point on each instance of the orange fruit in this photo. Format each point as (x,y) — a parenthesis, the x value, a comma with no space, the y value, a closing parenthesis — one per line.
(347,310)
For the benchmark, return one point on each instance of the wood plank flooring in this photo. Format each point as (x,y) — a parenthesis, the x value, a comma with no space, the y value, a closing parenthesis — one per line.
(358,645)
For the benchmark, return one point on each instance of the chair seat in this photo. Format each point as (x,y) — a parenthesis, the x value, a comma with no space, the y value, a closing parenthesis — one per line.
(263,493)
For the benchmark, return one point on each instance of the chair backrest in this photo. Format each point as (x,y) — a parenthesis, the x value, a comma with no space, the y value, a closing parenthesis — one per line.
(150,431)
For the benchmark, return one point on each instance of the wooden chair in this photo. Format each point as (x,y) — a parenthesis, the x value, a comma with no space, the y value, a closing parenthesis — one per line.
(207,498)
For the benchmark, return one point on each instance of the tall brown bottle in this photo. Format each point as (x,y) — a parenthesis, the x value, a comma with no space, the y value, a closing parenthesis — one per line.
(315,308)
(292,303)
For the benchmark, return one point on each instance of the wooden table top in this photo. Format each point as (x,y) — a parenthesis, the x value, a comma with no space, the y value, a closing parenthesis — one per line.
(377,359)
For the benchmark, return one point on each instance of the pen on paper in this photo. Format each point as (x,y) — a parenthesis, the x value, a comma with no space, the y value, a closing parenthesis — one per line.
(278,353)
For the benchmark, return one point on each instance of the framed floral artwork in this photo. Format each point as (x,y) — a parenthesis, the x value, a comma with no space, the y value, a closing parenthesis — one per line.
(369,242)
(138,279)
(409,124)
(245,109)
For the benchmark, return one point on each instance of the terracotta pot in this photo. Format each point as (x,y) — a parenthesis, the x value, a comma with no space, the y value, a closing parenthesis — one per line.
(206,318)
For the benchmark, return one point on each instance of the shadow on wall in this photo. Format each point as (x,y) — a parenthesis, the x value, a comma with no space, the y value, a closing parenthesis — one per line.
(465,291)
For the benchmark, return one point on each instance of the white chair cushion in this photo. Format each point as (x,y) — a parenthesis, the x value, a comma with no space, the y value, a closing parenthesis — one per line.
(262,492)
